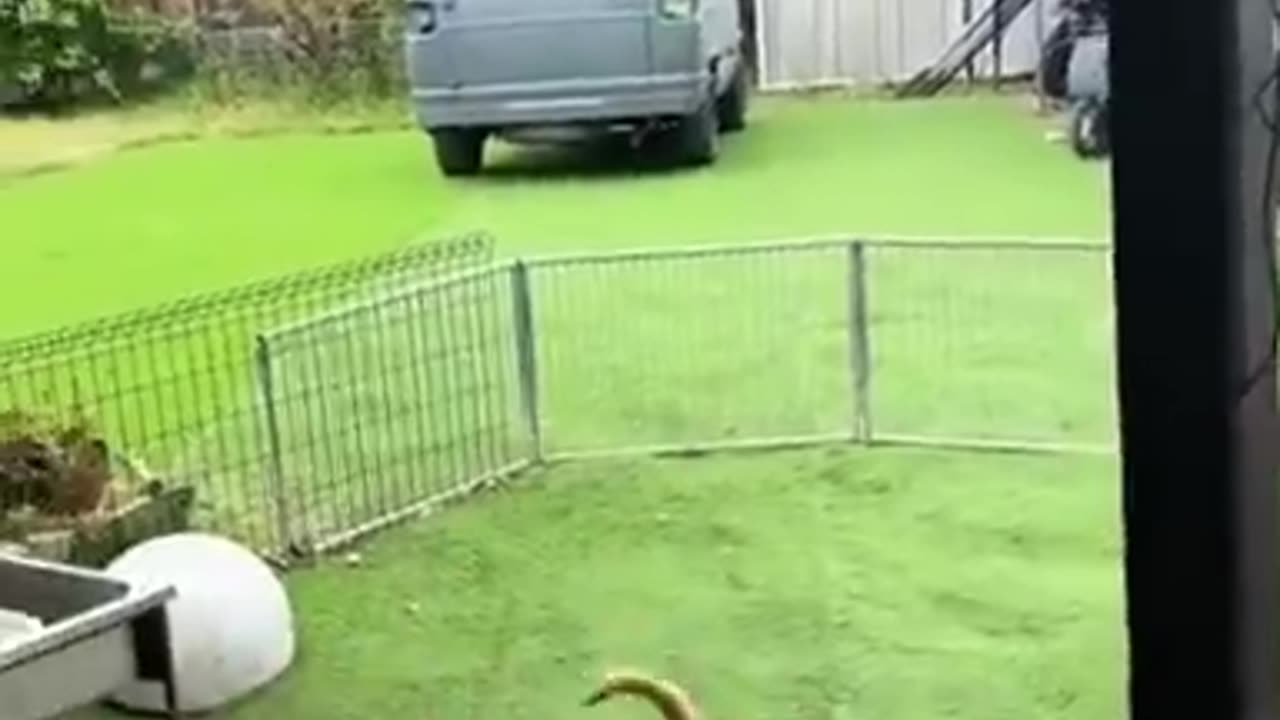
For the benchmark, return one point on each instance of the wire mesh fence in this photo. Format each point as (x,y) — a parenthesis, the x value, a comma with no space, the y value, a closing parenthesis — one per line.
(997,343)
(862,340)
(311,412)
(169,395)
(387,407)
(686,348)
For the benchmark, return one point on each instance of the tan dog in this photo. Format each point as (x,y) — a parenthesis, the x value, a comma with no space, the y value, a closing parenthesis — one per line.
(670,700)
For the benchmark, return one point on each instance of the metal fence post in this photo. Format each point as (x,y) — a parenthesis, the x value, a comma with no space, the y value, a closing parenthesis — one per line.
(527,357)
(859,344)
(275,453)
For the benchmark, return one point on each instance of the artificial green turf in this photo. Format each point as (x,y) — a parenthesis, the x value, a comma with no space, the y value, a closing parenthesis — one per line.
(1016,352)
(152,224)
(886,584)
(148,226)
(895,585)
(955,166)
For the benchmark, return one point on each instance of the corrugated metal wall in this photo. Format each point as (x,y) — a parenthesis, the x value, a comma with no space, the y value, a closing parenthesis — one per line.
(816,42)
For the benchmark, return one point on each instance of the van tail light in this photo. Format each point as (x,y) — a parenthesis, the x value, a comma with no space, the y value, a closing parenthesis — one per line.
(424,17)
(679,9)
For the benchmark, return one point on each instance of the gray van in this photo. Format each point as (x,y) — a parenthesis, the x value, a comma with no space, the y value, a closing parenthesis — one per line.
(560,71)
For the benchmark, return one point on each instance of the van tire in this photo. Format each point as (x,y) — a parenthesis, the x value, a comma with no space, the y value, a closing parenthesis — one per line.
(732,106)
(697,136)
(459,152)
(1090,129)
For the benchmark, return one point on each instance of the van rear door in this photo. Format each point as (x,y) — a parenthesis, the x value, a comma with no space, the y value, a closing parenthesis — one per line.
(518,41)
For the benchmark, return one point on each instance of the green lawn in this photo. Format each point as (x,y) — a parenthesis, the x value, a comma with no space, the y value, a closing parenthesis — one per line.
(895,585)
(148,225)
(1017,352)
(859,584)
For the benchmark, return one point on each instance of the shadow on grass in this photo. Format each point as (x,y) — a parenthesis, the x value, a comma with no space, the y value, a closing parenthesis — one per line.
(601,160)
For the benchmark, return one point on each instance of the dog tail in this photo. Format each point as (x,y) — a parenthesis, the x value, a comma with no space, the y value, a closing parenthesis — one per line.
(669,699)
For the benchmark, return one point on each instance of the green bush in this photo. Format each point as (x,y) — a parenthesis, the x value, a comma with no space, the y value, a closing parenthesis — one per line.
(56,466)
(58,52)
(55,53)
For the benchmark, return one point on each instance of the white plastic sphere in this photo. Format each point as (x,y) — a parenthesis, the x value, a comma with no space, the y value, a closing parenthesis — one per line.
(230,625)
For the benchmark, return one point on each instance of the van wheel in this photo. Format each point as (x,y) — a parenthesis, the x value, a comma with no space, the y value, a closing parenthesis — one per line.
(697,136)
(459,153)
(732,106)
(1090,129)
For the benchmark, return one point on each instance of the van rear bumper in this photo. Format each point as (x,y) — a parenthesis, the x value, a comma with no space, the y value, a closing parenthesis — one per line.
(571,101)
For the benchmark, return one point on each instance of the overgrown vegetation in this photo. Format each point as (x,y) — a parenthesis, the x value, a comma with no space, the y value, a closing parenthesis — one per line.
(342,45)
(319,52)
(54,53)
(67,495)
(51,466)
(60,53)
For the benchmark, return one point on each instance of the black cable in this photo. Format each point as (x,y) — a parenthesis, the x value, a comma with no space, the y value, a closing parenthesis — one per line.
(1268,117)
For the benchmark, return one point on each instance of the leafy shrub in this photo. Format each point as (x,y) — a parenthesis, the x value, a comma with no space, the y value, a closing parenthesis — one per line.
(51,466)
(56,52)
(331,41)
(65,495)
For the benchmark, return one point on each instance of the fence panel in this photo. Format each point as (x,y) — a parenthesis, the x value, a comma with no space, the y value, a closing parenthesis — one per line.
(391,404)
(877,340)
(171,391)
(676,349)
(307,413)
(991,343)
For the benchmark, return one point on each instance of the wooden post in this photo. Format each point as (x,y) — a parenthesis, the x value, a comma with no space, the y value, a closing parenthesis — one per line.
(1196,322)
